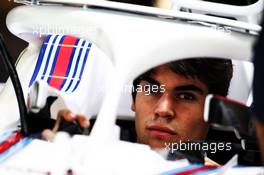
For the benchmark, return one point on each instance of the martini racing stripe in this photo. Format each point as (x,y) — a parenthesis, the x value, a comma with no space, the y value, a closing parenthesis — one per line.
(51,57)
(39,66)
(178,170)
(61,62)
(196,170)
(72,69)
(59,67)
(79,70)
(10,141)
(5,136)
(14,148)
(190,170)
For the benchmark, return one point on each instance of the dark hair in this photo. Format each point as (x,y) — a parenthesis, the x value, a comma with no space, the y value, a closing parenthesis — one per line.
(215,73)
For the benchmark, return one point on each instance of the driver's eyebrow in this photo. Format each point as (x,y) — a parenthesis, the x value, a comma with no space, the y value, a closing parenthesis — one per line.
(150,80)
(189,88)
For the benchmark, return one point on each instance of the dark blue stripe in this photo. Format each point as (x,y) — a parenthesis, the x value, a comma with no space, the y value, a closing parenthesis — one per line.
(70,63)
(76,67)
(83,65)
(40,59)
(50,51)
(55,59)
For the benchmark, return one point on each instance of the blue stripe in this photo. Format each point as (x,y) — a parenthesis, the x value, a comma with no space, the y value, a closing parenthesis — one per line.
(76,67)
(179,170)
(70,63)
(50,51)
(18,146)
(207,172)
(5,136)
(40,59)
(55,59)
(83,65)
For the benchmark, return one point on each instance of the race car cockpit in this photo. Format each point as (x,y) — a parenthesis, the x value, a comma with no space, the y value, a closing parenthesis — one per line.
(85,55)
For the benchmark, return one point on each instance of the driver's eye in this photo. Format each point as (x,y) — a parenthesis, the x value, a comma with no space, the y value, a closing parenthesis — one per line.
(185,96)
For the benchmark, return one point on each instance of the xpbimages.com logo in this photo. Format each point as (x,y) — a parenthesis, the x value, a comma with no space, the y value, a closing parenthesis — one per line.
(211,147)
(146,89)
(55,29)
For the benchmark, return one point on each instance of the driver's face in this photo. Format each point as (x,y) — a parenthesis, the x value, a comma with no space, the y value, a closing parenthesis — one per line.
(173,115)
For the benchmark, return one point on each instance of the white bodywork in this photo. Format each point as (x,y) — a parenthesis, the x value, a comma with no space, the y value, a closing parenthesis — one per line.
(132,42)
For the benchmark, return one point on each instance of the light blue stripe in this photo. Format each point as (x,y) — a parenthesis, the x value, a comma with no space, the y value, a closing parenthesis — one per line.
(5,136)
(13,149)
(179,170)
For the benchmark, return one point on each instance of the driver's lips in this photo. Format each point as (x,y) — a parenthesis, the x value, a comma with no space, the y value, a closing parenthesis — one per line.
(160,131)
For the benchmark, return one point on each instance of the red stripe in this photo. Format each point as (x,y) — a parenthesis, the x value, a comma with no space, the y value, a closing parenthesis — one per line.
(196,170)
(16,137)
(62,62)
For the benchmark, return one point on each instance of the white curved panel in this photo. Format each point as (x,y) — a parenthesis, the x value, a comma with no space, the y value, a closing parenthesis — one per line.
(134,43)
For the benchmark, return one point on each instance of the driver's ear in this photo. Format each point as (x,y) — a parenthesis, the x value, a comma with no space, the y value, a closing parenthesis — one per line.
(133,106)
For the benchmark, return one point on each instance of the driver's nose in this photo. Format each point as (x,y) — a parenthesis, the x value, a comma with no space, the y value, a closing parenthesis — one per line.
(164,107)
